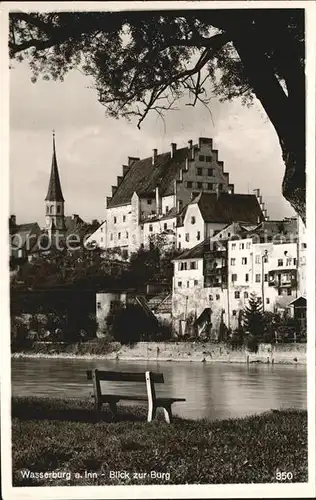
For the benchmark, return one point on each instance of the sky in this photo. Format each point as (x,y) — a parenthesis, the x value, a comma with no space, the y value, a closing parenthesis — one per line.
(91,148)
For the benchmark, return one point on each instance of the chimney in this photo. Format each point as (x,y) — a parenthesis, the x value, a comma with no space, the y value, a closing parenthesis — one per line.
(154,156)
(173,149)
(12,220)
(157,201)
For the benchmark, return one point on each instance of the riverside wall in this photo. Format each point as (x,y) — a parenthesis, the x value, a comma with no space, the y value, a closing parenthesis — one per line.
(210,352)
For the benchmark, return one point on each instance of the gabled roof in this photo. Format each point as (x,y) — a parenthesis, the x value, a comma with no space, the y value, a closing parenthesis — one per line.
(227,207)
(143,177)
(196,252)
(21,234)
(54,192)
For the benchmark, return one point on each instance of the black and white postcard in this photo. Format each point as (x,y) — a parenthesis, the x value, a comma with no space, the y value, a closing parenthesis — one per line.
(158,249)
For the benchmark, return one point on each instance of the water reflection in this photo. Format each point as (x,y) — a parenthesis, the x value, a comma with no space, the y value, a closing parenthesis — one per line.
(214,391)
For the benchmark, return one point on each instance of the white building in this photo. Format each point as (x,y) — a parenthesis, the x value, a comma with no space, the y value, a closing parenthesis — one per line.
(266,269)
(209,213)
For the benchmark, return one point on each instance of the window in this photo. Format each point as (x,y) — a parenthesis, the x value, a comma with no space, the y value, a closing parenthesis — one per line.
(119,236)
(208,158)
(126,234)
(210,186)
(149,202)
(280,262)
(258,278)
(188,284)
(189,184)
(114,220)
(47,209)
(265,259)
(124,218)
(265,277)
(245,295)
(279,291)
(237,295)
(228,234)
(183,266)
(101,239)
(199,171)
(248,245)
(234,312)
(267,301)
(196,282)
(210,297)
(101,229)
(289,261)
(202,158)
(257,259)
(218,296)
(165,226)
(303,246)
(232,262)
(198,235)
(234,277)
(247,277)
(244,260)
(294,262)
(233,246)
(241,246)
(111,236)
(193,265)
(192,220)
(179,284)
(150,228)
(187,237)
(210,172)
(58,209)
(98,305)
(200,185)
(289,291)
(167,209)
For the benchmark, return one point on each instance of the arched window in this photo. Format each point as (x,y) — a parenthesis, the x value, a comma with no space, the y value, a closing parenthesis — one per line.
(51,209)
(58,209)
(47,209)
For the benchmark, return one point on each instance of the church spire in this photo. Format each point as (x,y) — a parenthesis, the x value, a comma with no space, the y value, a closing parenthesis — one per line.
(54,192)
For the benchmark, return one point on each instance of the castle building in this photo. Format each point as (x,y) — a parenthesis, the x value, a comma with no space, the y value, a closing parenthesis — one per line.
(54,201)
(152,192)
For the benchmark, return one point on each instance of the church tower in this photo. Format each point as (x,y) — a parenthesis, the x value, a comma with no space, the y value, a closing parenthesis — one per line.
(54,201)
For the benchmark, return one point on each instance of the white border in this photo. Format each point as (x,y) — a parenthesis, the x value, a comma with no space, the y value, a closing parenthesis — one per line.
(302,490)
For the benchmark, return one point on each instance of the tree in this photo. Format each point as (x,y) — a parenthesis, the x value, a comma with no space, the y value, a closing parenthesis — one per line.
(144,61)
(253,321)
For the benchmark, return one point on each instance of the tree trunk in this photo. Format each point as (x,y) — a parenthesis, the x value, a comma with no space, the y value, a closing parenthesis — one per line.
(287,115)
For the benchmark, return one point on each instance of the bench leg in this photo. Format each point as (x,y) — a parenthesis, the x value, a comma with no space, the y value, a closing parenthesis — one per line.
(113,408)
(168,413)
(151,413)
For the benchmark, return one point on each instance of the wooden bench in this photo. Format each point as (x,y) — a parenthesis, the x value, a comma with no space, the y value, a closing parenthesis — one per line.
(112,399)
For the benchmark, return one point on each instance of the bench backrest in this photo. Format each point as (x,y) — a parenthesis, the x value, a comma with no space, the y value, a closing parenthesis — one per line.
(151,378)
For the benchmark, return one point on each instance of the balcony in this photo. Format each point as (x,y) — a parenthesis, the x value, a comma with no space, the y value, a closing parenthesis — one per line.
(283,279)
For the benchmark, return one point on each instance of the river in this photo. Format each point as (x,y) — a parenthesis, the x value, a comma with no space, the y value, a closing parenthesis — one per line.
(212,390)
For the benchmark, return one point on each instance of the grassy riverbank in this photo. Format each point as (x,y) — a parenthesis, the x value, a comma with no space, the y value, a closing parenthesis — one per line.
(167,351)
(66,436)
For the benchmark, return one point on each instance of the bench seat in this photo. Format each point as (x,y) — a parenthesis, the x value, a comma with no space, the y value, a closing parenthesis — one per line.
(148,377)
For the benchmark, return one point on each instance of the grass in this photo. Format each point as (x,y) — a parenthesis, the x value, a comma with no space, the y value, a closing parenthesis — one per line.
(67,436)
